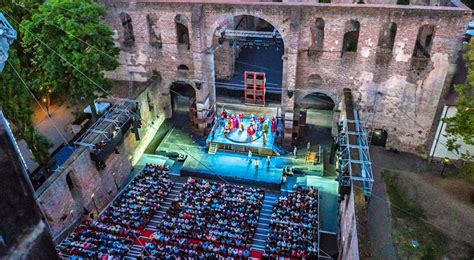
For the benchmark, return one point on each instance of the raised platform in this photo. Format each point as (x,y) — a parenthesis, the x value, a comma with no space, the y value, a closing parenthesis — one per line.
(239,141)
(237,168)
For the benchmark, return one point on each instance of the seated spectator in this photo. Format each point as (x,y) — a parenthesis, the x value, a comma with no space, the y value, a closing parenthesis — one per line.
(112,234)
(294,225)
(208,219)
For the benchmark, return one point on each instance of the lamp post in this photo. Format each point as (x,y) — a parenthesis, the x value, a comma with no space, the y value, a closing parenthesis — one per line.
(46,102)
(95,205)
(115,181)
(445,162)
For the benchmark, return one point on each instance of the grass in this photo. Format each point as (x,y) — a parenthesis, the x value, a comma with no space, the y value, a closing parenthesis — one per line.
(409,223)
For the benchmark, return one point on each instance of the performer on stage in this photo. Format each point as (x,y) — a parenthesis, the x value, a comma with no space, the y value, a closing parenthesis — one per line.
(250,132)
(231,123)
(241,126)
(216,122)
(241,117)
(265,126)
(226,129)
(235,121)
(274,126)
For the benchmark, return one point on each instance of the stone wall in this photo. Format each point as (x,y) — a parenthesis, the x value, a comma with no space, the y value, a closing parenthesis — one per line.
(403,91)
(64,206)
(348,240)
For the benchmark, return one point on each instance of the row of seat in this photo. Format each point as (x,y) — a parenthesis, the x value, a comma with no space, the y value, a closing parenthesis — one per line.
(113,232)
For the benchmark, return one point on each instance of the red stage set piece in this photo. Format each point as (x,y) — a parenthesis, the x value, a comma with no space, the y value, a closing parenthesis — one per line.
(254,88)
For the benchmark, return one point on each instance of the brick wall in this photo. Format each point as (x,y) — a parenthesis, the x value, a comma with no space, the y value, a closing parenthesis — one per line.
(407,94)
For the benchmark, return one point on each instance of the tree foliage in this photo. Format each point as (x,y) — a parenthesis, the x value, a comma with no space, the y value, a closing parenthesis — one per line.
(469,3)
(461,126)
(72,48)
(15,100)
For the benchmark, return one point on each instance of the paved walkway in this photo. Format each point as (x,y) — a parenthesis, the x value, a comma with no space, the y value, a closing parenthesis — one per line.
(56,126)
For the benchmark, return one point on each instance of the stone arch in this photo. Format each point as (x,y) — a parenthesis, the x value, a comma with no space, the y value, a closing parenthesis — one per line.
(222,18)
(183,67)
(387,38)
(424,41)
(317,33)
(182,31)
(154,33)
(127,27)
(351,37)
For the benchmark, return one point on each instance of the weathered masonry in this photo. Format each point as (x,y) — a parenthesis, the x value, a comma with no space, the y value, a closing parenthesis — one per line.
(397,60)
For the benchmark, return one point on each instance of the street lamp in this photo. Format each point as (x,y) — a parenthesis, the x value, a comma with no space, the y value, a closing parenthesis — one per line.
(445,162)
(95,205)
(115,181)
(46,102)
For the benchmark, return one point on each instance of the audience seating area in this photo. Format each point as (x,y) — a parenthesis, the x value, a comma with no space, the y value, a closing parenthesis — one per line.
(294,226)
(208,220)
(113,232)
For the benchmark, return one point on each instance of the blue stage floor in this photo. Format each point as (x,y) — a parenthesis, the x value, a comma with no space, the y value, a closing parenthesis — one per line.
(237,167)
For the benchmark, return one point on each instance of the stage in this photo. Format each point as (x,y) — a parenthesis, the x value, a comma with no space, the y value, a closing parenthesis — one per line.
(240,141)
(237,168)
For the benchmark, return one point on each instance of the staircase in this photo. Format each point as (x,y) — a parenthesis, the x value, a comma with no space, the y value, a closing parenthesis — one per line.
(263,229)
(212,148)
(155,221)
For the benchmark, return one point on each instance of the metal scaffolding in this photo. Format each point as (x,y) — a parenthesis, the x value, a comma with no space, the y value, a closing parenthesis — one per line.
(251,34)
(354,162)
(118,116)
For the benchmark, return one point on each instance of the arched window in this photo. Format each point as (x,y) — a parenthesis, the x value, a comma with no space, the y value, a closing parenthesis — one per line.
(351,37)
(387,38)
(424,41)
(155,35)
(182,33)
(318,34)
(70,183)
(315,80)
(183,67)
(128,36)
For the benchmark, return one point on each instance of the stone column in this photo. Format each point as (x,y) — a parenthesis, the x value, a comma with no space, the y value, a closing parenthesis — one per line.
(290,62)
(203,60)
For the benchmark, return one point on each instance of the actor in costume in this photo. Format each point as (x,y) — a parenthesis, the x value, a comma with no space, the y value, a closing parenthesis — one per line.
(274,125)
(235,121)
(265,126)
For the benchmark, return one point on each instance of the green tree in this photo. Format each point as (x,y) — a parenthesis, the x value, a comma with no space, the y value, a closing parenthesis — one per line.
(15,100)
(469,3)
(74,30)
(461,126)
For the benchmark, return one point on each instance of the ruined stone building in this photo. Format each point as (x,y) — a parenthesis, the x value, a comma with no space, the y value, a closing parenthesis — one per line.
(397,58)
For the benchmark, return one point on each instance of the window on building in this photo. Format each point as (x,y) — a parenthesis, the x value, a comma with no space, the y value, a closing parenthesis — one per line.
(183,67)
(403,2)
(182,32)
(128,36)
(155,35)
(318,34)
(387,38)
(424,41)
(70,183)
(351,37)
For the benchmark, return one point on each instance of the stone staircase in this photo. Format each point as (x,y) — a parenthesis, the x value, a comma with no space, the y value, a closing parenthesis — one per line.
(155,221)
(212,148)
(263,229)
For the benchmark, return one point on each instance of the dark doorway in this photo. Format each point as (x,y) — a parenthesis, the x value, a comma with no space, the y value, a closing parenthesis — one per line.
(183,105)
(379,137)
(314,125)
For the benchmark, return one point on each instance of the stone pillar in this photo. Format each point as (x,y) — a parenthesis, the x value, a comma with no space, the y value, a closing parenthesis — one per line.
(203,60)
(290,62)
